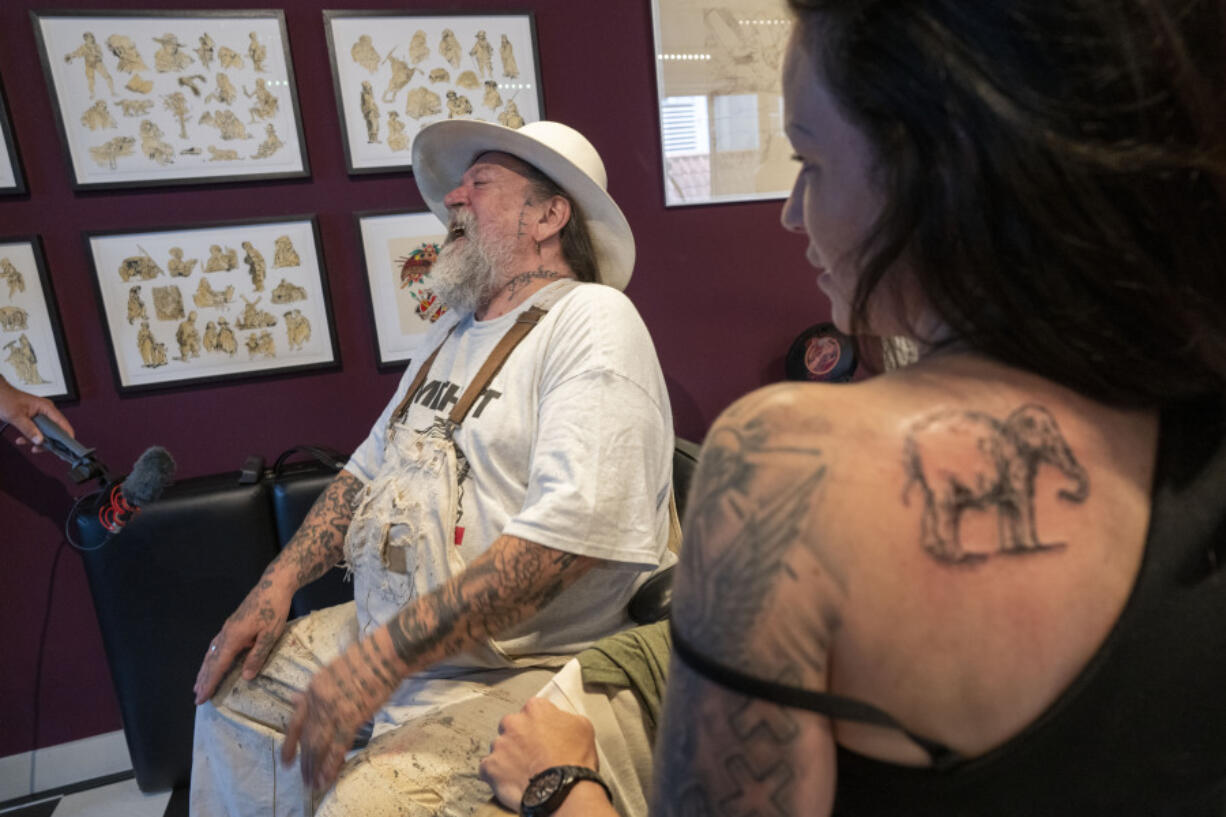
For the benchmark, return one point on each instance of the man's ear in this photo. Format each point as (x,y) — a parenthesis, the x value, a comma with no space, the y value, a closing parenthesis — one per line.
(554,216)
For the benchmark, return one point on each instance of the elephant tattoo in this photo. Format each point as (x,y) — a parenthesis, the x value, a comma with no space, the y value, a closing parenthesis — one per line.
(992,464)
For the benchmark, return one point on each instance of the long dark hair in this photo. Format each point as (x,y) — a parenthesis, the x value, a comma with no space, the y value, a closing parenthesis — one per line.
(1054,174)
(576,241)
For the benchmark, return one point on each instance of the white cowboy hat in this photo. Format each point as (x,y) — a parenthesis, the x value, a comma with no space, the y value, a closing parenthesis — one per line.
(443,151)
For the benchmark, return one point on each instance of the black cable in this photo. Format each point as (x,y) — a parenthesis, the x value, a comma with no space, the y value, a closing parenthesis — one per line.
(38,662)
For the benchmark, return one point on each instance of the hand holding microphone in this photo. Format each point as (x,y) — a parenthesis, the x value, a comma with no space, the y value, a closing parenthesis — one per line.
(22,410)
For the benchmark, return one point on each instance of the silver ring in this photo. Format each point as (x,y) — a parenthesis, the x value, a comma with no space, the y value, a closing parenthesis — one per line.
(212,648)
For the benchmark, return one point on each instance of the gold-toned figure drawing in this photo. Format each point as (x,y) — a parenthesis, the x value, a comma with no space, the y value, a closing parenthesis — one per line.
(483,54)
(139,266)
(509,67)
(205,296)
(370,112)
(226,342)
(217,154)
(258,53)
(297,329)
(230,59)
(256,267)
(227,124)
(287,293)
(253,317)
(510,116)
(125,50)
(205,50)
(135,107)
(188,337)
(98,116)
(136,306)
(12,276)
(176,103)
(468,79)
(190,83)
(440,75)
(284,254)
(364,54)
(151,143)
(168,303)
(171,56)
(152,351)
(225,93)
(210,336)
(265,101)
(271,144)
(458,105)
(492,99)
(423,102)
(401,74)
(91,54)
(261,345)
(139,85)
(177,266)
(13,318)
(21,356)
(219,261)
(106,153)
(418,50)
(449,48)
(396,137)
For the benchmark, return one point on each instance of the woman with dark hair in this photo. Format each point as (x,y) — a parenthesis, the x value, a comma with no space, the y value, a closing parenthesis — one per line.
(986,583)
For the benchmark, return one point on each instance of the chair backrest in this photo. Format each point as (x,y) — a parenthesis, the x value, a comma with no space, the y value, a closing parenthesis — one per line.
(653,600)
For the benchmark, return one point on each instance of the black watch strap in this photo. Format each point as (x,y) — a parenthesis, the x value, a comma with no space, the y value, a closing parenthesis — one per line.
(563,779)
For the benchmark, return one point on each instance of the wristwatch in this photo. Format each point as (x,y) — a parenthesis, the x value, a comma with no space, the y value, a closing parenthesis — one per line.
(546,790)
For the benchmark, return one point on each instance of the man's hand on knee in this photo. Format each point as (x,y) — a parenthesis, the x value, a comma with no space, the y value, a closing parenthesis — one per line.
(253,628)
(529,741)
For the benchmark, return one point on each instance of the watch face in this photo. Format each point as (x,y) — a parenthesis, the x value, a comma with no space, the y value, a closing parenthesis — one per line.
(542,787)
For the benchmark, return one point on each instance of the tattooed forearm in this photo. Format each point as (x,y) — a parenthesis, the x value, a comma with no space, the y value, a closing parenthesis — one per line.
(318,545)
(509,583)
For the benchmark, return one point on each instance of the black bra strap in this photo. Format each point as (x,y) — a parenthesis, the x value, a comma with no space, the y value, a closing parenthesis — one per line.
(823,703)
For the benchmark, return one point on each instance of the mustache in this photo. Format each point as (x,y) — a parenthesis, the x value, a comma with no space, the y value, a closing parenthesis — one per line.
(462,223)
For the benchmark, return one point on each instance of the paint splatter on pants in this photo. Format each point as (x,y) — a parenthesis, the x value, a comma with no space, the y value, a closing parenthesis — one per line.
(422,760)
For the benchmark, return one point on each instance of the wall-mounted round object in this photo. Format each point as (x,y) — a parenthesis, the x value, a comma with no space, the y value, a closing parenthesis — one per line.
(822,354)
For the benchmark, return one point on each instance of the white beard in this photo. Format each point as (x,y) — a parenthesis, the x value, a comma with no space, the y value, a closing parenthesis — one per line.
(466,277)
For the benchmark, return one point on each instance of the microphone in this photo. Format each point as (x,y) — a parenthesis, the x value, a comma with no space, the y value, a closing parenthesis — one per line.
(78,456)
(150,475)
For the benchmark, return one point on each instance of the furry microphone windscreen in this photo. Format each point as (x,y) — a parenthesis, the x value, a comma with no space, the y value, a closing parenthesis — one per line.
(151,473)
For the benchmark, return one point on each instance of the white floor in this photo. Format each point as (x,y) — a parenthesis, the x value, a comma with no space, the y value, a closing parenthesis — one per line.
(121,799)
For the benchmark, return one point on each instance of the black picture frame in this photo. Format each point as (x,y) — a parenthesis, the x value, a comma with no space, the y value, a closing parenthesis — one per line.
(11,153)
(163,164)
(51,325)
(522,23)
(103,247)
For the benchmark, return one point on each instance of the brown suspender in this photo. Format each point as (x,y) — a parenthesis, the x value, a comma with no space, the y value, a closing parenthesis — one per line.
(524,324)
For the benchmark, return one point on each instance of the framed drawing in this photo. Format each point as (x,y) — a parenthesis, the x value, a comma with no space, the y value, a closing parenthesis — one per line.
(11,178)
(394,73)
(172,97)
(718,77)
(398,249)
(34,357)
(219,301)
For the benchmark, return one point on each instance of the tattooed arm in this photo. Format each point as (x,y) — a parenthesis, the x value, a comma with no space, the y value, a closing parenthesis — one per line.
(755,593)
(258,622)
(507,584)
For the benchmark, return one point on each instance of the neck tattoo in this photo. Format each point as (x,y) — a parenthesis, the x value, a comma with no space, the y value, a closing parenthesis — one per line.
(525,278)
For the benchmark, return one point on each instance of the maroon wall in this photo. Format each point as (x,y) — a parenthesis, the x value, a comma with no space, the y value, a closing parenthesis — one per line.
(723,290)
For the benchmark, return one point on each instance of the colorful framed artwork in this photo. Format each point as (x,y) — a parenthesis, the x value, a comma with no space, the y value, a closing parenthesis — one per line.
(398,250)
(172,97)
(33,356)
(720,94)
(11,179)
(213,302)
(395,73)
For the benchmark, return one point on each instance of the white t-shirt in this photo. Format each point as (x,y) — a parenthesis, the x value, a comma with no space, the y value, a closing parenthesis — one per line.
(570,447)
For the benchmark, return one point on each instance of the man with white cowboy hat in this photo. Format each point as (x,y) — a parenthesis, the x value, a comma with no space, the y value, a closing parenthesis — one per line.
(508,502)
